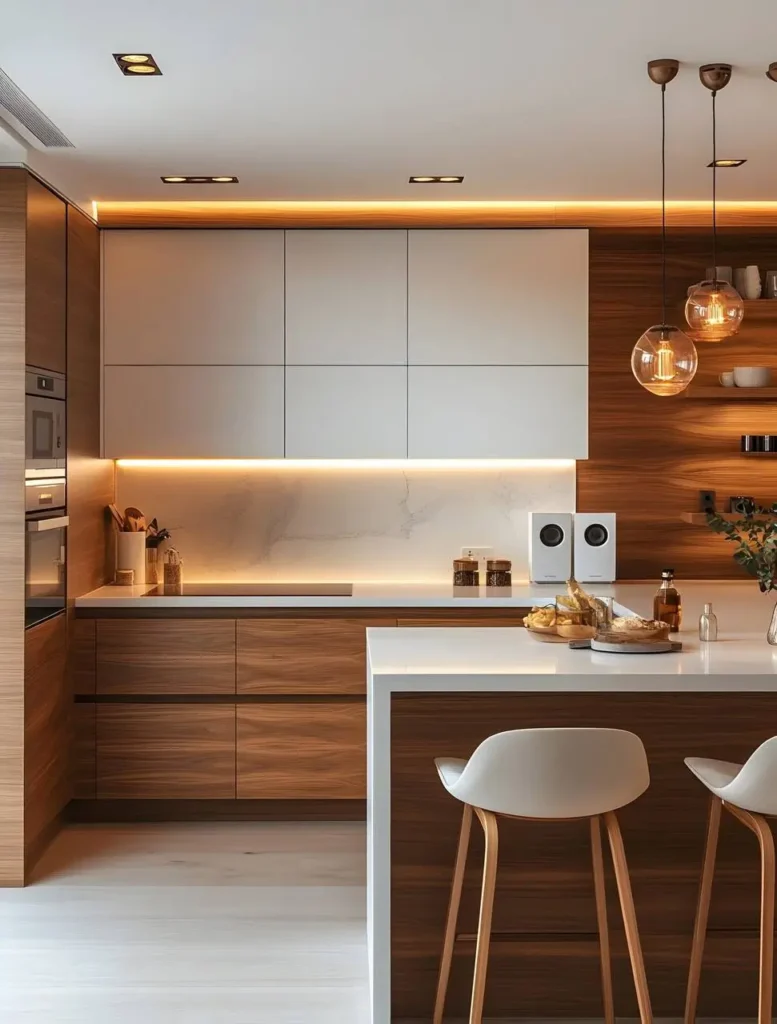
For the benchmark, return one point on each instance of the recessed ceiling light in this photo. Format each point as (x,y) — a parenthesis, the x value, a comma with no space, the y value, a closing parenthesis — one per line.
(199,179)
(726,163)
(436,179)
(137,64)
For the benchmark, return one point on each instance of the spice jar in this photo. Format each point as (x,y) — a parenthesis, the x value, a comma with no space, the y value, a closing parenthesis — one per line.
(499,572)
(465,572)
(173,575)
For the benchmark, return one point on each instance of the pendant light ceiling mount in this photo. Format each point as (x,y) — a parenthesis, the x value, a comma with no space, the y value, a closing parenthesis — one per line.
(715,76)
(663,70)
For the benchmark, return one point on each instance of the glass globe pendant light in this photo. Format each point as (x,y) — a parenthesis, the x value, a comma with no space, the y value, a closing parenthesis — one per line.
(664,359)
(714,309)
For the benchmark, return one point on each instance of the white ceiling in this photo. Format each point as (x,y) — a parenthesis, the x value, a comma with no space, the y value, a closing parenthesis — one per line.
(344,99)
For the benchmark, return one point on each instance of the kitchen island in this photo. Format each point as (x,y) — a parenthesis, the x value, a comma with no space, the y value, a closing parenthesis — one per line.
(440,692)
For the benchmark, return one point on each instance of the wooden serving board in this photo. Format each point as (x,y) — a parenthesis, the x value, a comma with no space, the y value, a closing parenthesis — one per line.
(613,645)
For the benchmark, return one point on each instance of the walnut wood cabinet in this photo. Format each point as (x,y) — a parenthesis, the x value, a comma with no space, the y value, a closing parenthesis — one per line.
(46,272)
(302,751)
(268,707)
(304,655)
(165,656)
(174,751)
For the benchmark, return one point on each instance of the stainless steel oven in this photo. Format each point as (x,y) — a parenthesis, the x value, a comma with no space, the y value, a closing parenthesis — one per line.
(45,550)
(46,423)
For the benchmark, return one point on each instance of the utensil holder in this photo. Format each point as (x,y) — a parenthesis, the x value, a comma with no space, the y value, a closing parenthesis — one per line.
(131,554)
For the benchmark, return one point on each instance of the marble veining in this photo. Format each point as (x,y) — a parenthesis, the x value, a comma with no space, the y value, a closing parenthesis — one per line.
(339,523)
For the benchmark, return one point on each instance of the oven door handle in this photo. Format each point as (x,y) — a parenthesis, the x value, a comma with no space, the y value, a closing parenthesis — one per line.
(39,525)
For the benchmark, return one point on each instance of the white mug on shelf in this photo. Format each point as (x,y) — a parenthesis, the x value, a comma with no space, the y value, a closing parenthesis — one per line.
(752,283)
(740,280)
(727,378)
(718,274)
(752,376)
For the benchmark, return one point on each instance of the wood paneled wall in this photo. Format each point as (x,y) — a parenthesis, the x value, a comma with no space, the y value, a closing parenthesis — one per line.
(650,456)
(12,322)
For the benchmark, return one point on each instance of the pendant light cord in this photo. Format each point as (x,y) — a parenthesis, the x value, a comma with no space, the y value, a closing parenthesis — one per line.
(663,205)
(714,192)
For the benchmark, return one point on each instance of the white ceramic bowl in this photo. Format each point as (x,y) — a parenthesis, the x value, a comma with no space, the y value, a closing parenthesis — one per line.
(752,376)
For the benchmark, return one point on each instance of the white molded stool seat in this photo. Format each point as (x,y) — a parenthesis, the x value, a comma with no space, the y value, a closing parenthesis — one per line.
(751,786)
(547,774)
(747,791)
(550,773)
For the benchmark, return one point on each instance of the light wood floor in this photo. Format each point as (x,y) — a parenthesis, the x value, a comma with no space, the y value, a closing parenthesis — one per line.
(248,923)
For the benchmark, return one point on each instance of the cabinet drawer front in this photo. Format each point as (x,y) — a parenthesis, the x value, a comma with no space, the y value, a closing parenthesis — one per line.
(165,656)
(475,620)
(82,655)
(303,655)
(302,751)
(83,755)
(176,752)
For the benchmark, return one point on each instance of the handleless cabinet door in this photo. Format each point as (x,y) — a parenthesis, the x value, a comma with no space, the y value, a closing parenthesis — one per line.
(193,297)
(302,751)
(193,412)
(346,297)
(498,297)
(498,412)
(46,271)
(346,412)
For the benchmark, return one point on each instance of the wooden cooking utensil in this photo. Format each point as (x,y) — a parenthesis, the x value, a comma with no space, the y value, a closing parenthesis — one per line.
(118,518)
(136,521)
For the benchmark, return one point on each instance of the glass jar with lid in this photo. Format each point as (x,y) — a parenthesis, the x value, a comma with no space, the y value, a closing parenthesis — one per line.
(499,572)
(465,572)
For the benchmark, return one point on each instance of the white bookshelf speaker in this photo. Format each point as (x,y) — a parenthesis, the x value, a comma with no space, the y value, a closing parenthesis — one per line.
(550,547)
(595,540)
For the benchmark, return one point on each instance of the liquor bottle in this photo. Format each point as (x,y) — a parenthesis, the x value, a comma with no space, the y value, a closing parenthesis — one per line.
(667,604)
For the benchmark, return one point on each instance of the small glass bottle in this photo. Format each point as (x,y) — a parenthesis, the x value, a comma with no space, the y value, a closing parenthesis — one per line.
(708,625)
(667,604)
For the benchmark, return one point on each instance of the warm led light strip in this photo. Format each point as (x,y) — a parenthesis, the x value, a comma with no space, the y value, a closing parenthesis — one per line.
(290,464)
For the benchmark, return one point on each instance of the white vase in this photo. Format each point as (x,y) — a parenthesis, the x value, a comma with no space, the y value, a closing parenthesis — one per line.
(752,283)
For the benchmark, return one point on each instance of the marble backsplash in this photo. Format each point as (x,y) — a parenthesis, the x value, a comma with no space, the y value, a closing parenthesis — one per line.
(339,523)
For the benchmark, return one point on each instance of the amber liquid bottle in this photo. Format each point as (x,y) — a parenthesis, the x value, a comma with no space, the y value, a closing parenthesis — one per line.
(667,604)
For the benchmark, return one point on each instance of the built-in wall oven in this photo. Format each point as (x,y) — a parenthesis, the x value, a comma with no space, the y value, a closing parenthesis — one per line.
(45,489)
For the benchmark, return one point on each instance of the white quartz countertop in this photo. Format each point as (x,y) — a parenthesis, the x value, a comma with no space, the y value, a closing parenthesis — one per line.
(365,595)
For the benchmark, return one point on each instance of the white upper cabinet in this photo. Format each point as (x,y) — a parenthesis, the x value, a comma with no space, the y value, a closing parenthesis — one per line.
(346,412)
(498,297)
(498,412)
(193,412)
(193,297)
(346,297)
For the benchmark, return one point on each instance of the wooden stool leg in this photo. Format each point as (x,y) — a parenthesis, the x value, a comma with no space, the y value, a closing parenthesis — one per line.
(491,831)
(702,910)
(629,916)
(453,914)
(601,920)
(761,828)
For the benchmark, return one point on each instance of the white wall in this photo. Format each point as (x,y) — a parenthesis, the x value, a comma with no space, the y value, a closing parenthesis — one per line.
(348,524)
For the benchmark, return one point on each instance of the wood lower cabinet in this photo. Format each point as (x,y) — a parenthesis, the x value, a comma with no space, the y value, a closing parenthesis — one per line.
(304,655)
(302,751)
(83,760)
(165,656)
(46,732)
(82,656)
(174,751)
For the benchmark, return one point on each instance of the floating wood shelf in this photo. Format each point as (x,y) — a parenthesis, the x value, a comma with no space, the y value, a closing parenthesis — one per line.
(717,391)
(700,518)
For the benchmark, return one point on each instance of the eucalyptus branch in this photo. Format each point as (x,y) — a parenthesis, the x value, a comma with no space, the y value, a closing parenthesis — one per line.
(755,536)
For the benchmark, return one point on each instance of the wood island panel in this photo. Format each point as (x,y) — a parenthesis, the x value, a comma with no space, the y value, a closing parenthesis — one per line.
(300,751)
(175,752)
(304,655)
(170,656)
(544,915)
(46,289)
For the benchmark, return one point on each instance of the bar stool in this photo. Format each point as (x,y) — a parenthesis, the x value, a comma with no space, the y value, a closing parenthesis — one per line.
(747,792)
(546,775)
